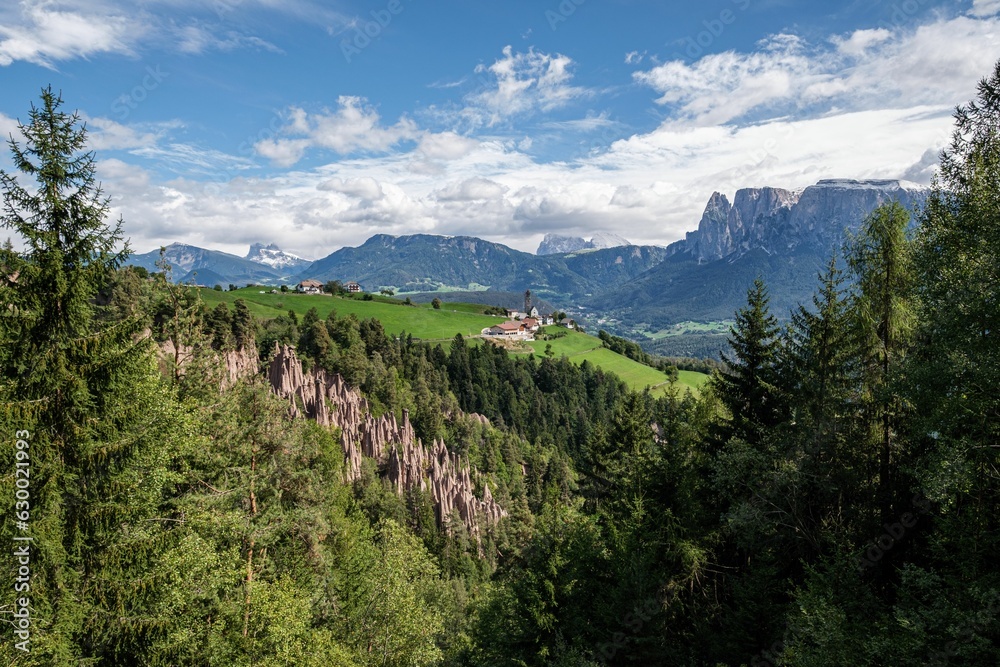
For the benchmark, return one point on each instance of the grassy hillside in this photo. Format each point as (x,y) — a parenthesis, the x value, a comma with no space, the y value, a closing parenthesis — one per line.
(420,320)
(423,321)
(580,347)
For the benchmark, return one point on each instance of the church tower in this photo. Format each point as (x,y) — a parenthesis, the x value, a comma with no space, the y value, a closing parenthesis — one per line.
(527,302)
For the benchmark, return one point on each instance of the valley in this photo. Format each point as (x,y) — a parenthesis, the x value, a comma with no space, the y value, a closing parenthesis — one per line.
(674,300)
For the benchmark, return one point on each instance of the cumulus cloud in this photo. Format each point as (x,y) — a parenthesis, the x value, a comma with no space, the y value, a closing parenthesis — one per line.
(873,68)
(354,126)
(367,189)
(45,32)
(445,146)
(471,189)
(523,83)
(982,8)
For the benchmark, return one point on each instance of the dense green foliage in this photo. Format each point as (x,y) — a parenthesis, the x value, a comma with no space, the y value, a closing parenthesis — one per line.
(831,498)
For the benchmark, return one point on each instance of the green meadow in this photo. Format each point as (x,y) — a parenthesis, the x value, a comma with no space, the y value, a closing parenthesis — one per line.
(425,322)
(579,347)
(419,320)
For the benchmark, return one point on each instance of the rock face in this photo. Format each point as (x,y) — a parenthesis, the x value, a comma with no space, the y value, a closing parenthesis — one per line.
(230,366)
(554,243)
(239,364)
(776,220)
(406,461)
(273,256)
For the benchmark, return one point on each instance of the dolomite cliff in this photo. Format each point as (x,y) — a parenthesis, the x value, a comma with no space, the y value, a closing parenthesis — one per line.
(407,463)
(777,220)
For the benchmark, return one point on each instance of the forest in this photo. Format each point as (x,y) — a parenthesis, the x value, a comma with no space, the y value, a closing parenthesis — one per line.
(831,498)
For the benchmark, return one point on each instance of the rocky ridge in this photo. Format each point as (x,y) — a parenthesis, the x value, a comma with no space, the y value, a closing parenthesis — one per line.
(554,244)
(276,258)
(777,220)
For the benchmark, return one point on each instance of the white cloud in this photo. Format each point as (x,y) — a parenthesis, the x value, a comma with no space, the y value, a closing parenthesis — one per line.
(446,146)
(471,189)
(367,189)
(282,152)
(590,123)
(860,40)
(984,8)
(196,39)
(935,63)
(190,159)
(722,87)
(523,83)
(46,32)
(42,32)
(105,134)
(353,127)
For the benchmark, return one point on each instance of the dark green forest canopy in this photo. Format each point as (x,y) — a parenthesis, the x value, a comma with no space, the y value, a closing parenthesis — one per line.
(830,499)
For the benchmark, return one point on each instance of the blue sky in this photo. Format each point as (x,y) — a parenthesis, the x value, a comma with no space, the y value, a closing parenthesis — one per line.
(317,124)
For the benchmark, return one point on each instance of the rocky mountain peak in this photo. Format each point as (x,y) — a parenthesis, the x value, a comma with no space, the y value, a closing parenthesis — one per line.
(273,256)
(555,243)
(776,220)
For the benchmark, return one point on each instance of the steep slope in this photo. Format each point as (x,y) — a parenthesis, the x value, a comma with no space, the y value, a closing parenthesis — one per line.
(782,236)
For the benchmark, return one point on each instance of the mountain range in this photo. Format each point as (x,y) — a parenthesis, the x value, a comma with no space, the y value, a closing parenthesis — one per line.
(783,236)
(191,264)
(424,263)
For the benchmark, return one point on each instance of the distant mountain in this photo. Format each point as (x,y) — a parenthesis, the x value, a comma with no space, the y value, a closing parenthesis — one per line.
(423,263)
(276,258)
(554,244)
(209,267)
(782,236)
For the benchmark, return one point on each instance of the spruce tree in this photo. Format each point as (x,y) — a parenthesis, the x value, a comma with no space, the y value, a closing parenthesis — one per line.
(748,387)
(88,391)
(817,363)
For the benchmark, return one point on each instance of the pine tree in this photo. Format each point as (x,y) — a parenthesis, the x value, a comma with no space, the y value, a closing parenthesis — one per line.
(955,367)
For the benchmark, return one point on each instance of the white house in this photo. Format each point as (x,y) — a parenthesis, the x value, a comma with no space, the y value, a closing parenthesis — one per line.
(509,330)
(309,287)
